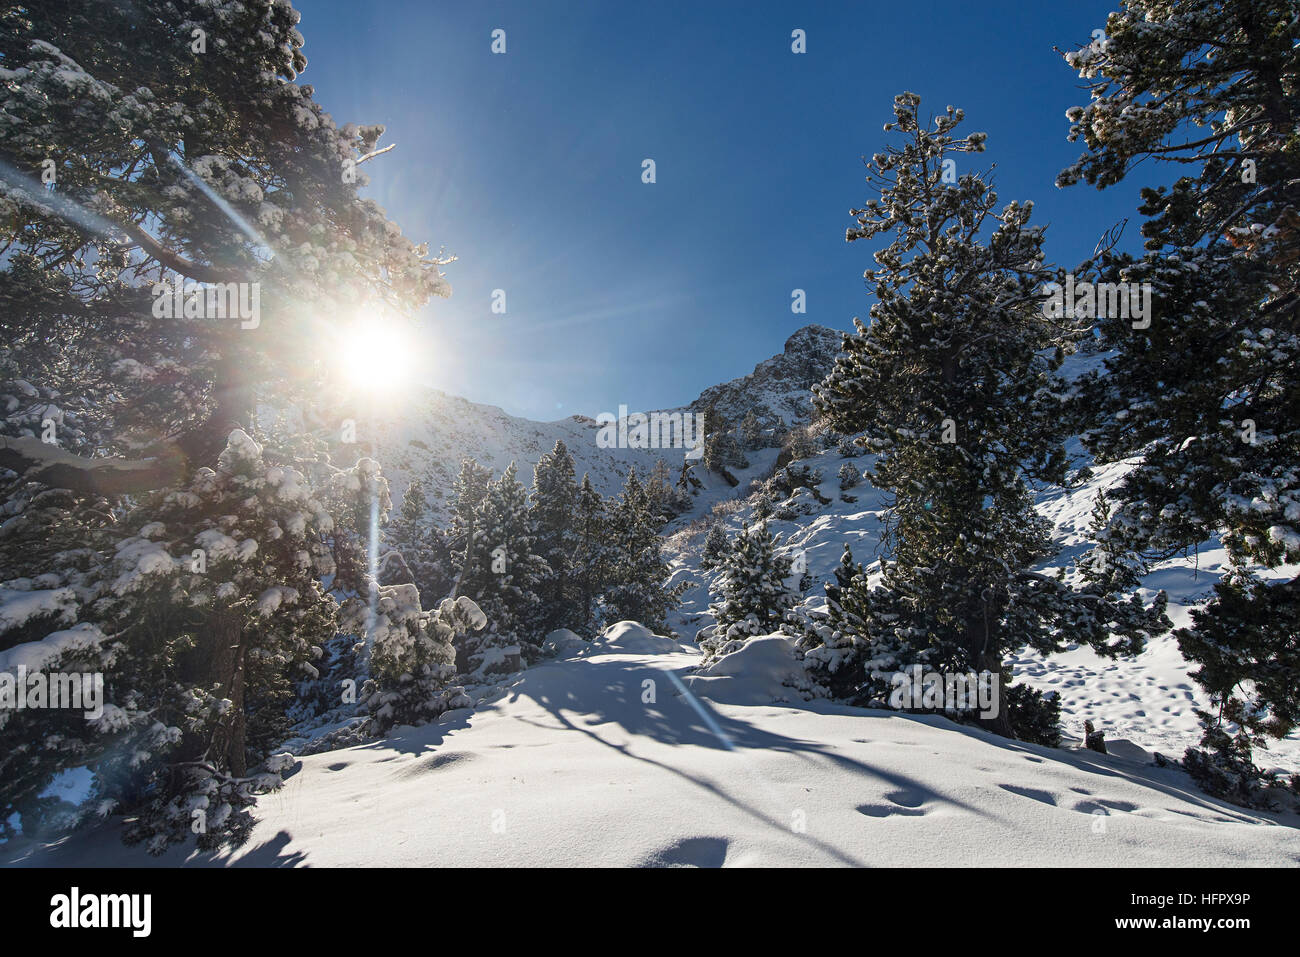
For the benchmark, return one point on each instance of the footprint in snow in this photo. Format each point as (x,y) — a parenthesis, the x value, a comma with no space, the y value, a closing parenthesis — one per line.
(440,760)
(1032,793)
(691,852)
(906,803)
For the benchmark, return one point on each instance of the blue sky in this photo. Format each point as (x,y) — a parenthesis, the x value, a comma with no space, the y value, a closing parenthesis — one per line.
(527,166)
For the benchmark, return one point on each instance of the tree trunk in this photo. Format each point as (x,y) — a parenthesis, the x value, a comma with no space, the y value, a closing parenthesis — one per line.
(234,402)
(983,657)
(225,639)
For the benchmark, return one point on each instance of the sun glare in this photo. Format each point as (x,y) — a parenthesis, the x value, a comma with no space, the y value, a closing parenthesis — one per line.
(376,356)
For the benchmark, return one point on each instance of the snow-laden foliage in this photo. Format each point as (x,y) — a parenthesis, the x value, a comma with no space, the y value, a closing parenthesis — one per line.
(411,654)
(716,547)
(141,500)
(593,556)
(553,500)
(955,387)
(502,573)
(413,552)
(1206,395)
(637,589)
(203,600)
(752,592)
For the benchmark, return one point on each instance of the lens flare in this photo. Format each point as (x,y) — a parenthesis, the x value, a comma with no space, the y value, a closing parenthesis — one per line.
(376,356)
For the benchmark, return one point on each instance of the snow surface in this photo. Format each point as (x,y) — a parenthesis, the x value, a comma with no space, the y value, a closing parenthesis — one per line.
(574,762)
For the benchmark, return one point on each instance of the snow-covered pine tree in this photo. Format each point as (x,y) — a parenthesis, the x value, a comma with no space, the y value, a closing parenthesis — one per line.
(638,575)
(751,431)
(798,444)
(716,547)
(661,497)
(721,450)
(593,557)
(467,494)
(1207,393)
(416,552)
(412,655)
(140,415)
(554,501)
(849,476)
(228,569)
(503,575)
(751,594)
(955,386)
(838,646)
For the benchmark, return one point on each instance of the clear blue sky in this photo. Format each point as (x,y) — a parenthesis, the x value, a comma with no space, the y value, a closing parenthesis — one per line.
(527,166)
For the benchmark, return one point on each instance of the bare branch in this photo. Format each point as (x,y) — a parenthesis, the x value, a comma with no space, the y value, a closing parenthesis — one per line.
(373,153)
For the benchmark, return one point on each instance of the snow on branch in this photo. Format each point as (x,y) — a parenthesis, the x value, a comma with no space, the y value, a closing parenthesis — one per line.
(48,464)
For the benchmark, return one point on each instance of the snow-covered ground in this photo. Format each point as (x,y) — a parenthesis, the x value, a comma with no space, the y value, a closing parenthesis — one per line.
(613,754)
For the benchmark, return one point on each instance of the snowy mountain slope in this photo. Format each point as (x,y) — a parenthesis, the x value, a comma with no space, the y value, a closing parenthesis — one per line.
(1148,699)
(435,430)
(576,747)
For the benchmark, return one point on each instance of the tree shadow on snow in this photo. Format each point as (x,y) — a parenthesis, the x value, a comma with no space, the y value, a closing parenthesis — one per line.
(612,694)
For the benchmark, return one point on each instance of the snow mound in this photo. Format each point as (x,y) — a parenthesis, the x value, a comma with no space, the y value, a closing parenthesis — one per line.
(563,643)
(758,673)
(633,638)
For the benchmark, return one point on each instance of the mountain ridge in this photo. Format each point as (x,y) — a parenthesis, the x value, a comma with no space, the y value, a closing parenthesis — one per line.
(438,429)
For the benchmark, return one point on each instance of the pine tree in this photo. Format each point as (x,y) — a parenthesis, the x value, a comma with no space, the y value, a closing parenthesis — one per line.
(503,574)
(638,576)
(593,558)
(412,655)
(751,431)
(417,552)
(467,494)
(797,444)
(838,646)
(139,131)
(955,387)
(716,547)
(661,502)
(554,501)
(1206,391)
(220,582)
(751,594)
(721,450)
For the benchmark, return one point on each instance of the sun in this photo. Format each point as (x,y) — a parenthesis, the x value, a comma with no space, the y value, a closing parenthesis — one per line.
(376,356)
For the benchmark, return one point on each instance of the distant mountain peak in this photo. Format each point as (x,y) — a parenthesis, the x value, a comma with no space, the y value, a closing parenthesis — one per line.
(779,387)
